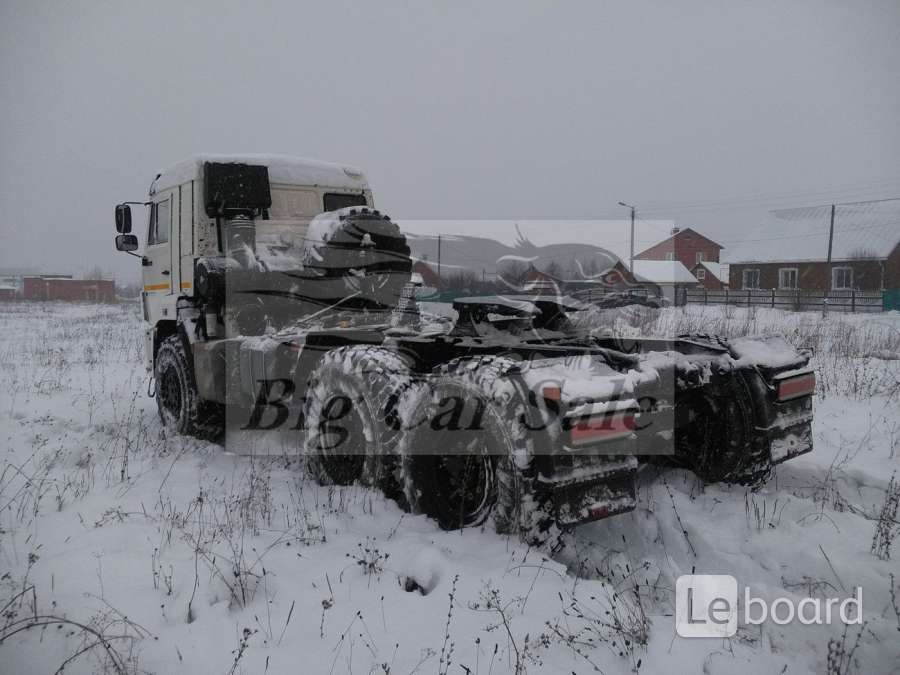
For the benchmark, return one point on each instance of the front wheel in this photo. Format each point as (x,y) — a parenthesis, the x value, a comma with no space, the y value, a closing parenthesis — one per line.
(180,407)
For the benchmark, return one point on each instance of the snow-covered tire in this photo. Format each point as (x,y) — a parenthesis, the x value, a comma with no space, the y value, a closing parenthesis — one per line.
(719,445)
(492,439)
(366,240)
(180,406)
(368,383)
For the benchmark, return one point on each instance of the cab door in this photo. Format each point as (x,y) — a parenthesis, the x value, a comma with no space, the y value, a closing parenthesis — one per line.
(157,264)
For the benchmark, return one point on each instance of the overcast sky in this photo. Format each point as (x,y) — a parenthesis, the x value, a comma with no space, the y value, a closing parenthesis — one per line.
(463,110)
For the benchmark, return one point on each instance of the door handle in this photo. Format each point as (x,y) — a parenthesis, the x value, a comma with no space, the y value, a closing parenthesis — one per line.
(166,272)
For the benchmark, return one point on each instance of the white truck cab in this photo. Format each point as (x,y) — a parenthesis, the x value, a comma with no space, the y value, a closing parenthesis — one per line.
(184,223)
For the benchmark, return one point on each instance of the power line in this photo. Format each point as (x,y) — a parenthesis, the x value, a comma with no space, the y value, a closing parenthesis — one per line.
(857,203)
(804,236)
(756,198)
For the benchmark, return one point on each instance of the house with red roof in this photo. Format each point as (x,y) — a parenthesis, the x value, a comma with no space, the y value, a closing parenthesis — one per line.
(686,246)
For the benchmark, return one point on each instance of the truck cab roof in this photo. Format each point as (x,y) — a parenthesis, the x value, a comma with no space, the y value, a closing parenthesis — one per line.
(282,169)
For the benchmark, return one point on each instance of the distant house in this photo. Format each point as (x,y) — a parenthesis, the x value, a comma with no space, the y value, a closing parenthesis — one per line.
(686,246)
(671,276)
(539,282)
(616,277)
(7,293)
(790,250)
(11,278)
(712,276)
(619,278)
(65,288)
(429,276)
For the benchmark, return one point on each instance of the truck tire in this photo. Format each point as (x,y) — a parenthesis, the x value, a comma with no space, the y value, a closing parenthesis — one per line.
(180,407)
(352,415)
(477,471)
(717,444)
(366,240)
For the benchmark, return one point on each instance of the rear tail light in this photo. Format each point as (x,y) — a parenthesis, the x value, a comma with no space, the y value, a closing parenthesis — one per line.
(608,427)
(598,512)
(796,386)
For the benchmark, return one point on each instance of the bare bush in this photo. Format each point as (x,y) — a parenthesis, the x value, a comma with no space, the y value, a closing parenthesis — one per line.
(522,650)
(886,526)
(108,635)
(841,653)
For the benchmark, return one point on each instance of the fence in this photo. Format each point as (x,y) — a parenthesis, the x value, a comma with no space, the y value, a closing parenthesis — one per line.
(796,300)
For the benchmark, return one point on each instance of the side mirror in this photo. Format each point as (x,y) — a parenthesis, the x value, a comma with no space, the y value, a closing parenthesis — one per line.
(123,219)
(126,242)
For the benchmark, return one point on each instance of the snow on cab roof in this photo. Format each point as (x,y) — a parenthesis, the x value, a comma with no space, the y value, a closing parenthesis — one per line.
(663,272)
(861,230)
(282,169)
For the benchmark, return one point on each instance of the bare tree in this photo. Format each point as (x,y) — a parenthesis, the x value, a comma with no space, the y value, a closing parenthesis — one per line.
(512,273)
(554,269)
(95,272)
(462,280)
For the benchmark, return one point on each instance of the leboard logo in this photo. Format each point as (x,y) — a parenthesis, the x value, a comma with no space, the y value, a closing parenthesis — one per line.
(706,605)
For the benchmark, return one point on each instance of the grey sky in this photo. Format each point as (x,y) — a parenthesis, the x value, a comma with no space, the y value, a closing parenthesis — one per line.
(512,110)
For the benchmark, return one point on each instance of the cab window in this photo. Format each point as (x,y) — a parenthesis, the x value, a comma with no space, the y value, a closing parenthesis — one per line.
(335,200)
(160,215)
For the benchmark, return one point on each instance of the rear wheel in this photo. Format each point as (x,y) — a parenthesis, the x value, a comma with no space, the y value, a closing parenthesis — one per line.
(451,473)
(180,407)
(353,417)
(469,457)
(715,437)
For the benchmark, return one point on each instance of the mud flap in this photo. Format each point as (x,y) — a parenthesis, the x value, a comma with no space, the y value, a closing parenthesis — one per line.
(582,499)
(792,442)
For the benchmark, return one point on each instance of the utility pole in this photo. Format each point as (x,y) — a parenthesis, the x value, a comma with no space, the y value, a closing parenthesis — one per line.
(631,259)
(439,257)
(830,240)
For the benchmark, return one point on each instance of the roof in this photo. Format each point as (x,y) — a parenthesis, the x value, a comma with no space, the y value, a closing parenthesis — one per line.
(861,230)
(69,279)
(680,234)
(282,169)
(663,272)
(718,270)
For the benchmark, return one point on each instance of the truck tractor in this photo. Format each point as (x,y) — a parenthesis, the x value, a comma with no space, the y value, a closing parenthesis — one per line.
(280,309)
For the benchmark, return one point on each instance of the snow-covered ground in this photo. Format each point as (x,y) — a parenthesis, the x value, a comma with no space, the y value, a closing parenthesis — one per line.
(131,551)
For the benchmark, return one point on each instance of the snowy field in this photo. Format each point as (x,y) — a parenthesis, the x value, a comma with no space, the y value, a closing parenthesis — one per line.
(122,550)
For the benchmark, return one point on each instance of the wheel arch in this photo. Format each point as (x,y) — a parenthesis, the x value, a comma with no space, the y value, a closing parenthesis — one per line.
(162,331)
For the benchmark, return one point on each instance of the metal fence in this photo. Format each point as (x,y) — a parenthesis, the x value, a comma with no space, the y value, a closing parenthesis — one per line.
(795,300)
